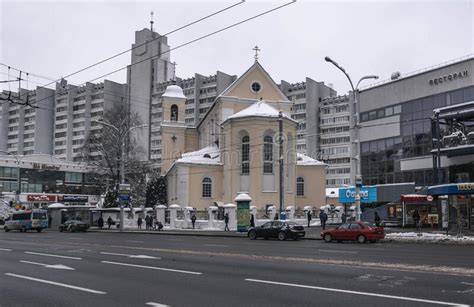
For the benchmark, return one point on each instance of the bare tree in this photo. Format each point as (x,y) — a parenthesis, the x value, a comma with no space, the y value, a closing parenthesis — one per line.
(103,150)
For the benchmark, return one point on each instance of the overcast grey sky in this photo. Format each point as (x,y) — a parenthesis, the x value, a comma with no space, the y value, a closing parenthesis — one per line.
(56,38)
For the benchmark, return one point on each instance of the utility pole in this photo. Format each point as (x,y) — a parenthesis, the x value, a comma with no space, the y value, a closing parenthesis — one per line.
(280,142)
(354,135)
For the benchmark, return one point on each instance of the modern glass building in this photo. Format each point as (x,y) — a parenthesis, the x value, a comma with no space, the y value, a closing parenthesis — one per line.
(395,132)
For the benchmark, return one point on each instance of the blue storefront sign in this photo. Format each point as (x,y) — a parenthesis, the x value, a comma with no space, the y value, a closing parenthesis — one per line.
(367,195)
(450,189)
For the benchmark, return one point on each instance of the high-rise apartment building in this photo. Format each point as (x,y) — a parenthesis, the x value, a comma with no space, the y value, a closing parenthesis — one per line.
(306,97)
(334,128)
(76,111)
(150,65)
(26,121)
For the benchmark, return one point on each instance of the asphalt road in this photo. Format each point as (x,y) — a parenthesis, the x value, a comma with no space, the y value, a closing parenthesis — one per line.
(111,269)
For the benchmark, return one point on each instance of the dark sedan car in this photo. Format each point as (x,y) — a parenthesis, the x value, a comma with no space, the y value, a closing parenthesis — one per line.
(277,229)
(74,225)
(354,231)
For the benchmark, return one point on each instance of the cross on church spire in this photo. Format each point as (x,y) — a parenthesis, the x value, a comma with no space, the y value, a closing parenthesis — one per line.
(174,71)
(256,53)
(151,21)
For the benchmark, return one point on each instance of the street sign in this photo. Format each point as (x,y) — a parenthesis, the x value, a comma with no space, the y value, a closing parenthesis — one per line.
(429,198)
(124,193)
(359,181)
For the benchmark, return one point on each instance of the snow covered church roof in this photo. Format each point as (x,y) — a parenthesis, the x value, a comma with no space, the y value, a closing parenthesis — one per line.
(173,91)
(209,155)
(305,160)
(259,109)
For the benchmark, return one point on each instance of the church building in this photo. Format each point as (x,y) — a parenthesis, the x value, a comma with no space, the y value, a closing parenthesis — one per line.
(235,148)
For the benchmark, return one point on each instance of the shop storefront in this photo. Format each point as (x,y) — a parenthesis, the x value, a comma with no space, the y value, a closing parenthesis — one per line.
(426,207)
(455,203)
(347,197)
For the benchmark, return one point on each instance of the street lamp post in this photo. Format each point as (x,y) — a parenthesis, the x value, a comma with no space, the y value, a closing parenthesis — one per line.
(18,180)
(354,134)
(121,140)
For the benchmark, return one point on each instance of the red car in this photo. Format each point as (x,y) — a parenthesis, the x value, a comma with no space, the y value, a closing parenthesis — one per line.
(354,231)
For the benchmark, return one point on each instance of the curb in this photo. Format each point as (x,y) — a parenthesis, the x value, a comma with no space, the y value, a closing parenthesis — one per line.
(191,234)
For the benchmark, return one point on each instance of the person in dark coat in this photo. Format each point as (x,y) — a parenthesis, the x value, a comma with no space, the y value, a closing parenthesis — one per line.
(416,219)
(193,220)
(252,221)
(276,217)
(50,220)
(139,222)
(376,219)
(309,217)
(100,222)
(110,221)
(226,221)
(323,217)
(159,225)
(343,217)
(147,222)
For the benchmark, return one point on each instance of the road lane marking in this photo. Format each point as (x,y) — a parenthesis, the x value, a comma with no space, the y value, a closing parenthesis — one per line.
(216,245)
(467,283)
(5,250)
(152,267)
(131,256)
(56,283)
(156,304)
(50,266)
(134,241)
(337,251)
(404,298)
(51,255)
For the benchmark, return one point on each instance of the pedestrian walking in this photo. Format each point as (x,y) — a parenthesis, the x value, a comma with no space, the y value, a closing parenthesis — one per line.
(343,217)
(416,219)
(226,221)
(147,222)
(309,218)
(252,221)
(139,222)
(100,222)
(50,220)
(193,220)
(110,221)
(376,219)
(159,225)
(276,217)
(323,217)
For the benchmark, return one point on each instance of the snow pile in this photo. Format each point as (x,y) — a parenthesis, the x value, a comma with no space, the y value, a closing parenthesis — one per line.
(173,91)
(209,155)
(305,160)
(260,109)
(427,238)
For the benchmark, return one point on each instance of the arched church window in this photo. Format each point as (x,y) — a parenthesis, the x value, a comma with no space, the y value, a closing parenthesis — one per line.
(174,113)
(206,187)
(245,148)
(300,186)
(268,154)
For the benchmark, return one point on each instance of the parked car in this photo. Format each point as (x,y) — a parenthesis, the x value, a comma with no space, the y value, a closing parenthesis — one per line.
(354,231)
(277,229)
(74,225)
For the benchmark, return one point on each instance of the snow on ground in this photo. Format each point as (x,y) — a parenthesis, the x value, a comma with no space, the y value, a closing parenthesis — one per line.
(428,238)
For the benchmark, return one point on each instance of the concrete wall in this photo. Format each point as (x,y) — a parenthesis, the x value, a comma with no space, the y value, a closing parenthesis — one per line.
(44,118)
(416,86)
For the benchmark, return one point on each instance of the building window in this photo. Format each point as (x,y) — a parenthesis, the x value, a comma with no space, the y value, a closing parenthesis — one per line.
(268,155)
(256,87)
(174,113)
(299,186)
(245,168)
(207,187)
(73,177)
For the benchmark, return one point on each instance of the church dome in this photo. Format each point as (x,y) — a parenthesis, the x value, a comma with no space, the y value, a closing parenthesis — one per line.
(174,91)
